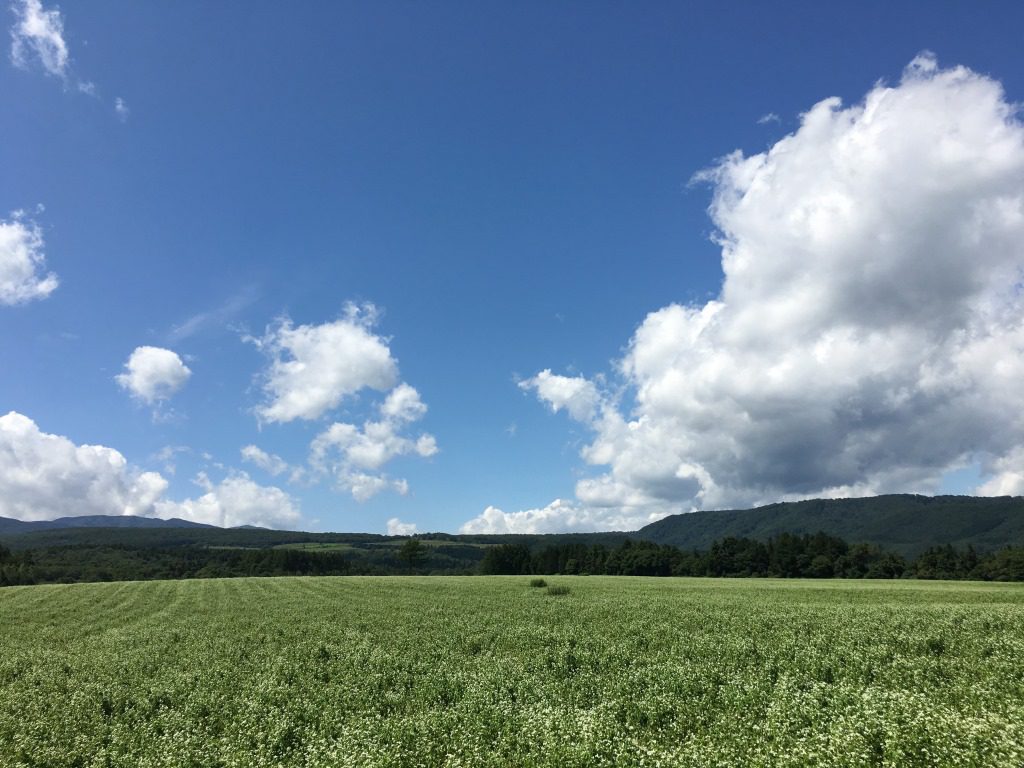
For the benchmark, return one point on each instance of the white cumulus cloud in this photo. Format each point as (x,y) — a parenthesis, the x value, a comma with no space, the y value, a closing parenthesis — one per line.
(153,374)
(578,396)
(354,455)
(44,476)
(23,275)
(235,500)
(403,404)
(313,367)
(869,334)
(312,370)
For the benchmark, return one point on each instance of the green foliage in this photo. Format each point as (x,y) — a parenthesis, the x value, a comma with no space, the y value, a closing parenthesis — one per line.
(640,672)
(507,559)
(1005,565)
(557,590)
(537,583)
(413,553)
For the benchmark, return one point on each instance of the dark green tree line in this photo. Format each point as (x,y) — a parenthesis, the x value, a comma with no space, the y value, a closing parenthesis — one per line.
(784,556)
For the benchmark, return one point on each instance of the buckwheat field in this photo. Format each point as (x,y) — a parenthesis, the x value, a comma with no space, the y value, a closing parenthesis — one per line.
(491,671)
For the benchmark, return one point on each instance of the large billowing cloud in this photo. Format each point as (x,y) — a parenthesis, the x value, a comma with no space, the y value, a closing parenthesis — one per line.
(23,275)
(45,476)
(234,501)
(354,455)
(153,374)
(869,333)
(313,367)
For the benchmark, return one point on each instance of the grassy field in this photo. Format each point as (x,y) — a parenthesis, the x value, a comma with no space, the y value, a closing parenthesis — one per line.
(463,671)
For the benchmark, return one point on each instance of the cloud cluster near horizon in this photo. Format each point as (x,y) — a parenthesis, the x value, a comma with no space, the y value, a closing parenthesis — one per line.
(45,476)
(236,500)
(868,335)
(396,527)
(560,516)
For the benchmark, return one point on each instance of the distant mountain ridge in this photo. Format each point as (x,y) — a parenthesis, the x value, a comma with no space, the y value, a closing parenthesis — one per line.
(10,525)
(903,523)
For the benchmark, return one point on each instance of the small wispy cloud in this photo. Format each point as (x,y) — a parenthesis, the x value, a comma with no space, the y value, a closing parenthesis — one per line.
(771,117)
(218,316)
(166,456)
(37,38)
(272,464)
(38,43)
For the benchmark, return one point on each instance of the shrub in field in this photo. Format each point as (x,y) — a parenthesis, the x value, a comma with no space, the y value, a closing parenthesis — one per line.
(558,590)
(538,583)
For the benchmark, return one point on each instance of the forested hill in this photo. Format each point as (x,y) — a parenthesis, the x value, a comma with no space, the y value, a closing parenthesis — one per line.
(9,525)
(901,523)
(946,537)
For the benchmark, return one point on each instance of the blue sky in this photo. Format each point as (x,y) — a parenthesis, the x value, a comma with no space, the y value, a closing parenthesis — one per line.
(494,190)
